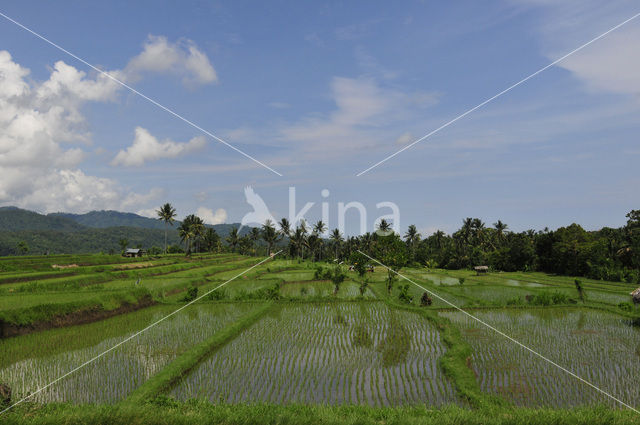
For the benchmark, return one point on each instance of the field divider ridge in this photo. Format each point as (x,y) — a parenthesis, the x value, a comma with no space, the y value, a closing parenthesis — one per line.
(91,360)
(573,374)
(455,360)
(170,374)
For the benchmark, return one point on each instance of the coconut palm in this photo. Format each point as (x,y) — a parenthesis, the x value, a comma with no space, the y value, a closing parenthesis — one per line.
(167,214)
(185,231)
(384,226)
(233,238)
(412,237)
(298,239)
(211,239)
(285,227)
(336,239)
(255,236)
(269,235)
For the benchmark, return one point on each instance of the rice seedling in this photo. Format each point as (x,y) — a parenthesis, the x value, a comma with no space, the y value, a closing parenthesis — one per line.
(361,353)
(598,346)
(112,377)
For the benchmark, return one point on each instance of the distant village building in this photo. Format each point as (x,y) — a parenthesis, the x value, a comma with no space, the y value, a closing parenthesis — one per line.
(481,269)
(133,252)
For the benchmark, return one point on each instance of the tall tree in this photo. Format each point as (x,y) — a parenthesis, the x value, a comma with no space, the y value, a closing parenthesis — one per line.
(336,239)
(412,237)
(233,238)
(167,214)
(269,235)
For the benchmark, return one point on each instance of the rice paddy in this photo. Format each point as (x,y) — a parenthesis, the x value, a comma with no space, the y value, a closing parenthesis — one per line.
(360,345)
(327,354)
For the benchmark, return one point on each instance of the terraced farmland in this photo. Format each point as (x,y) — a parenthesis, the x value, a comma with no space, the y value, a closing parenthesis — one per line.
(112,377)
(344,353)
(280,334)
(599,347)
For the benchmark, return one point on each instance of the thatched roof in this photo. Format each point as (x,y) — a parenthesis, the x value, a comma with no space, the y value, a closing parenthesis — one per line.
(481,268)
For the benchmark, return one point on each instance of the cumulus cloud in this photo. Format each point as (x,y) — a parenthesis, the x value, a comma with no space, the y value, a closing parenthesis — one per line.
(147,148)
(365,115)
(39,123)
(211,217)
(609,65)
(183,58)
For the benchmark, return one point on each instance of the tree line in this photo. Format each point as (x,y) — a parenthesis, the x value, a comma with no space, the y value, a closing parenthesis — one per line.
(608,254)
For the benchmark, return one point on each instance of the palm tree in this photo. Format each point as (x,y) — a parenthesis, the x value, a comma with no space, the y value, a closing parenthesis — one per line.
(319,228)
(500,229)
(336,239)
(384,226)
(285,227)
(412,237)
(269,234)
(185,231)
(254,236)
(211,239)
(198,228)
(167,214)
(233,238)
(298,239)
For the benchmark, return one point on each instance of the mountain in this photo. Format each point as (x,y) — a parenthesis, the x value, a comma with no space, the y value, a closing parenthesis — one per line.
(96,231)
(110,218)
(16,219)
(104,219)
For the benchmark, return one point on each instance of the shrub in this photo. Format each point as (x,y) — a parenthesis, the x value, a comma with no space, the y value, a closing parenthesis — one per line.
(218,294)
(425,300)
(192,294)
(403,295)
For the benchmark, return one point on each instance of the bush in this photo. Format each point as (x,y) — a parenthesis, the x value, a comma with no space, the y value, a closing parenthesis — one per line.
(403,295)
(192,294)
(425,300)
(217,295)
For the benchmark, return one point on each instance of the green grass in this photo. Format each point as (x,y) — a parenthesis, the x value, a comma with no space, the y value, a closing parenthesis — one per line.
(164,412)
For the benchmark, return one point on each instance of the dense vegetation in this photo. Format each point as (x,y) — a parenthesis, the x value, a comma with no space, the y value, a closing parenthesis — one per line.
(607,254)
(26,232)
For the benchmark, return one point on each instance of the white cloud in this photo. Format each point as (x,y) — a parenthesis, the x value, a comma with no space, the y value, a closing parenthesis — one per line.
(610,64)
(149,212)
(365,115)
(210,217)
(405,138)
(159,55)
(147,148)
(38,121)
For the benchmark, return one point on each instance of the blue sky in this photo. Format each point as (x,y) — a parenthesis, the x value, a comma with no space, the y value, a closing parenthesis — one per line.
(321,91)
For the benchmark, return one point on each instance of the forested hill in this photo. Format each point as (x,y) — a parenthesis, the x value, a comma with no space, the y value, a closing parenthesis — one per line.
(104,219)
(96,231)
(15,219)
(110,218)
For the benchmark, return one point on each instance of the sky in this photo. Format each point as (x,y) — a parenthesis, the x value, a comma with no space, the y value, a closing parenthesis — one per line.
(319,92)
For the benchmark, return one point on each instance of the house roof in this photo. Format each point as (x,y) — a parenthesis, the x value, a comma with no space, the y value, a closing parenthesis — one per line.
(133,250)
(481,268)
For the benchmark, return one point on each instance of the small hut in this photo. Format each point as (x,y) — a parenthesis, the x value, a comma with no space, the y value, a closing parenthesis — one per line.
(635,295)
(133,252)
(481,269)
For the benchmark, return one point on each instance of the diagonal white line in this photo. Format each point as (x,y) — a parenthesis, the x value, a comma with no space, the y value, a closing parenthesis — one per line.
(39,390)
(123,84)
(480,105)
(506,336)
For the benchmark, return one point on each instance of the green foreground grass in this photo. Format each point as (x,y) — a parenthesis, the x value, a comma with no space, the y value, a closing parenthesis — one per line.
(163,411)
